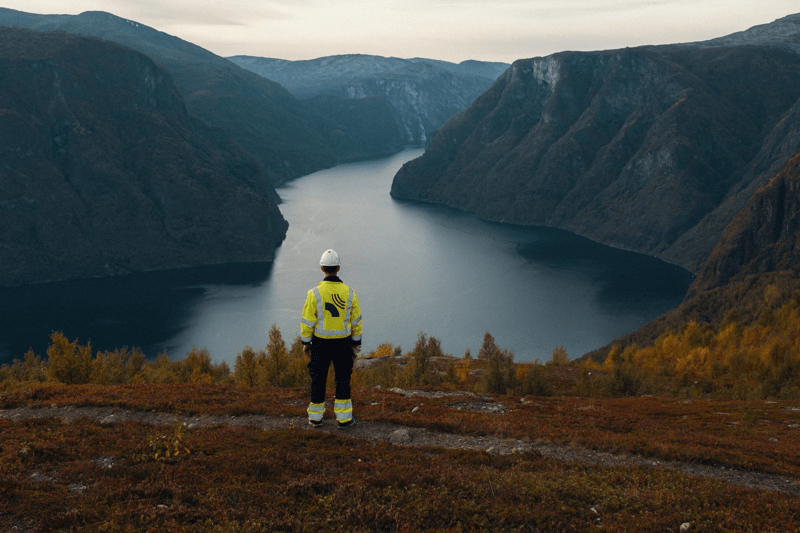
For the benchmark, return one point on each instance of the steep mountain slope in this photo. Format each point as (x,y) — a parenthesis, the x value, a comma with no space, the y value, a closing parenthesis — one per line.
(356,128)
(754,265)
(104,172)
(260,115)
(315,76)
(423,94)
(651,149)
(763,237)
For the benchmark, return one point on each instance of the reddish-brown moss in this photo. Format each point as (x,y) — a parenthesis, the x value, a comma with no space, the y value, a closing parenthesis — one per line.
(82,476)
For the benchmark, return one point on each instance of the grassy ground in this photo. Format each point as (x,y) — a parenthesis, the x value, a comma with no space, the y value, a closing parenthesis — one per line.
(85,476)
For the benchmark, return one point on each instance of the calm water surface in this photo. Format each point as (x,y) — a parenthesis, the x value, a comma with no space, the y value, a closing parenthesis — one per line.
(416,267)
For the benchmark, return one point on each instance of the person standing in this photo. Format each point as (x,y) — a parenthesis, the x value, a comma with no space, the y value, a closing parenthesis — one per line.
(330,329)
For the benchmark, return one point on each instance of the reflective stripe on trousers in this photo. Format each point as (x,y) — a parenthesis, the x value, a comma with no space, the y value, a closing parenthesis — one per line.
(315,411)
(343,410)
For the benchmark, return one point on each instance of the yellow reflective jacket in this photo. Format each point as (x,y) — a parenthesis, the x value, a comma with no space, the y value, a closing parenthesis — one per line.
(331,311)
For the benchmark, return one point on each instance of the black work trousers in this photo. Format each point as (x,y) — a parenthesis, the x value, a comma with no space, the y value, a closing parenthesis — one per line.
(323,353)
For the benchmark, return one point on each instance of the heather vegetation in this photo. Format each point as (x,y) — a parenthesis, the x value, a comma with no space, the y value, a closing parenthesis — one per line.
(119,472)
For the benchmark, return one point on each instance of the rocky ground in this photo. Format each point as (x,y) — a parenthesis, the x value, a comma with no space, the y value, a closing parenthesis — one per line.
(411,436)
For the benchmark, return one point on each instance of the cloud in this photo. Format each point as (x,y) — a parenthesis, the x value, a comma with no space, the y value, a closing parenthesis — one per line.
(209,14)
(445,29)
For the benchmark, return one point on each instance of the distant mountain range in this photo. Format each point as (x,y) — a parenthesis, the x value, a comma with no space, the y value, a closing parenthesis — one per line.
(422,93)
(104,172)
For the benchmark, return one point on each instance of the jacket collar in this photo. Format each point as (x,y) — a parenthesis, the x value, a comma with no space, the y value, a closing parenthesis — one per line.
(334,279)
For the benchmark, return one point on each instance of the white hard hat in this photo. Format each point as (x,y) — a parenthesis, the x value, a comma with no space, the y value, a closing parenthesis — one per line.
(329,259)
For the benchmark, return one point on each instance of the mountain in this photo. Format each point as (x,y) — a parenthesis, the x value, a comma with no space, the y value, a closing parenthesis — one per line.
(752,269)
(356,128)
(490,70)
(105,172)
(423,93)
(259,115)
(763,237)
(652,149)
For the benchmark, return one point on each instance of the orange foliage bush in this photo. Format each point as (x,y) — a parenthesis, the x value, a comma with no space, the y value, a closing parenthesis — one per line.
(761,360)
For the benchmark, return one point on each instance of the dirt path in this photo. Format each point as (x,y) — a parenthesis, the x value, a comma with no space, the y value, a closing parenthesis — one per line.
(410,436)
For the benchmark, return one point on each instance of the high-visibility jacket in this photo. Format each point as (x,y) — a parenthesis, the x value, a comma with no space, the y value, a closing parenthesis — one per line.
(331,311)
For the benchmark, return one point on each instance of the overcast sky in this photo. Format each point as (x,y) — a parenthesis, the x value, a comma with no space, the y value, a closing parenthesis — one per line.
(453,30)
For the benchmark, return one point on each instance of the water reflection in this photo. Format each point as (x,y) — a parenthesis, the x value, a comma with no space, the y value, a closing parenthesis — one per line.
(150,310)
(624,280)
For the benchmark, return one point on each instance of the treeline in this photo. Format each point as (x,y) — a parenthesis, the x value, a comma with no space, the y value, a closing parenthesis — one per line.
(279,365)
(732,360)
(494,369)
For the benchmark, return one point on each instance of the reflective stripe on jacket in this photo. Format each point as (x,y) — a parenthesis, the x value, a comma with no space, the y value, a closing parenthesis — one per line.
(331,311)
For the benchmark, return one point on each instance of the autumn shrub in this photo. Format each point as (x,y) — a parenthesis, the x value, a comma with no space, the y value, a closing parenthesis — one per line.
(622,376)
(273,364)
(279,367)
(500,374)
(68,362)
(624,381)
(384,372)
(450,377)
(384,349)
(168,446)
(195,367)
(162,370)
(245,370)
(420,368)
(532,380)
(587,385)
(31,369)
(488,348)
(559,356)
(758,360)
(119,366)
(463,370)
(297,370)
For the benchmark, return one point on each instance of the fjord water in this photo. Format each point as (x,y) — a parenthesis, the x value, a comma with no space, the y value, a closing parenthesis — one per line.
(416,268)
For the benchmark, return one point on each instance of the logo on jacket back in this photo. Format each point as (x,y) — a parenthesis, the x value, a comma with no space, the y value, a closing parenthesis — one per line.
(332,307)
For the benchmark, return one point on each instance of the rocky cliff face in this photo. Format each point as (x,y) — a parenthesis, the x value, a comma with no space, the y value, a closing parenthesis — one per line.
(652,149)
(259,115)
(763,237)
(356,128)
(422,94)
(753,265)
(104,172)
